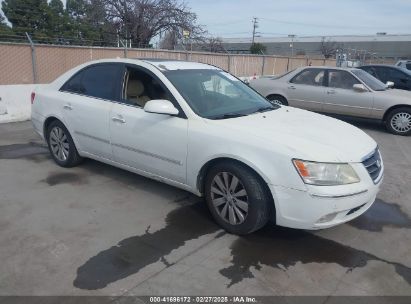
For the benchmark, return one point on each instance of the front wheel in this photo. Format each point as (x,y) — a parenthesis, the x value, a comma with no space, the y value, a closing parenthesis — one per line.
(399,121)
(277,100)
(237,198)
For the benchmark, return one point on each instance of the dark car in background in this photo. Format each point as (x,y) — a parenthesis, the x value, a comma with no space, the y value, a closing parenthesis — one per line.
(399,76)
(405,64)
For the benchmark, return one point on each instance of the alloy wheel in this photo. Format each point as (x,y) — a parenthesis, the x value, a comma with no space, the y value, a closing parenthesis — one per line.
(401,122)
(229,198)
(276,102)
(59,144)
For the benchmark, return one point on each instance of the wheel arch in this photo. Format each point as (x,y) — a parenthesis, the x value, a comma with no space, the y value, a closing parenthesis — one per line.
(52,118)
(47,123)
(212,162)
(389,110)
(279,95)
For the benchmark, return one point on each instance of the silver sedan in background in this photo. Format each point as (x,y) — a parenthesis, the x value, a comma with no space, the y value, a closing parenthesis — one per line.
(342,91)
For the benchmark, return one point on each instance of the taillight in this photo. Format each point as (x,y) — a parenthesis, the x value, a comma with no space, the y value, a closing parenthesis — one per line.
(33,95)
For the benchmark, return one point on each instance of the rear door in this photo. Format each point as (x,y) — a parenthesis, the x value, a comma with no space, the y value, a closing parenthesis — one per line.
(87,100)
(306,89)
(341,98)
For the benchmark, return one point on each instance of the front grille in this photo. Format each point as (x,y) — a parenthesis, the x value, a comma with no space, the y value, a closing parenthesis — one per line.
(373,164)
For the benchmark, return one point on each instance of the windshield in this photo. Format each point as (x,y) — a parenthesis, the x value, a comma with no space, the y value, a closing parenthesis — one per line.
(215,94)
(370,80)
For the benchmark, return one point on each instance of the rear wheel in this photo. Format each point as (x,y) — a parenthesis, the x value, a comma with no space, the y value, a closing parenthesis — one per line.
(278,100)
(399,121)
(237,198)
(61,145)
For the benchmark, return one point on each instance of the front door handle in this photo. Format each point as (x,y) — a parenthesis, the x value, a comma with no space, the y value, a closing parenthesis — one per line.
(331,92)
(68,107)
(118,119)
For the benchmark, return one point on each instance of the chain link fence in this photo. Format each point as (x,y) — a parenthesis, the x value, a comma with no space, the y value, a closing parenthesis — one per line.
(25,63)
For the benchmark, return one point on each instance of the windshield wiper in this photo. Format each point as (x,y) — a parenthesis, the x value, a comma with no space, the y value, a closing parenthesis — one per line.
(265,109)
(228,115)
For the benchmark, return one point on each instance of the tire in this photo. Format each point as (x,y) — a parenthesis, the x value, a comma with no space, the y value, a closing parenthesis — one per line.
(278,100)
(254,206)
(61,145)
(399,121)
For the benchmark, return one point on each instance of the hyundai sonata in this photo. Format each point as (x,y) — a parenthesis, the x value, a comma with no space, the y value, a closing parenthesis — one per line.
(197,127)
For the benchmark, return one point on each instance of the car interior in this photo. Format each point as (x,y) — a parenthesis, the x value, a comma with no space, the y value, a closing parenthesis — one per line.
(310,77)
(341,79)
(141,87)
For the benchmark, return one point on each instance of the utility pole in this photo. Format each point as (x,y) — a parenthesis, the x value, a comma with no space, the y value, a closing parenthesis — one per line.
(292,44)
(255,27)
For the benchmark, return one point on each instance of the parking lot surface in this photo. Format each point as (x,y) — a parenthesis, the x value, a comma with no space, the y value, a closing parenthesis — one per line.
(99,230)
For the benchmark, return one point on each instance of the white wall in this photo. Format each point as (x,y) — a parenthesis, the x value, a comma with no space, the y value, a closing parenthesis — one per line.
(15,102)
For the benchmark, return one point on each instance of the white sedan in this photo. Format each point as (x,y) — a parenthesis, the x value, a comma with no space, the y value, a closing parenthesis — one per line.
(196,127)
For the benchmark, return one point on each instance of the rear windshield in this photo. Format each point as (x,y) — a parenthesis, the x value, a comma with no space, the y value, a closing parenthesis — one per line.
(282,75)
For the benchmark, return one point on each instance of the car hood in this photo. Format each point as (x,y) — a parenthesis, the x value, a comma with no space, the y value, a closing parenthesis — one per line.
(406,95)
(301,134)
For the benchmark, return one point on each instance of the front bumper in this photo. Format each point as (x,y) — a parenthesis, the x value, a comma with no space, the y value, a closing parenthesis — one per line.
(321,207)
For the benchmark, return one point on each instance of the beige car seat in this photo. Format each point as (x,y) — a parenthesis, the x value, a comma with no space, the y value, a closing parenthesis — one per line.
(135,91)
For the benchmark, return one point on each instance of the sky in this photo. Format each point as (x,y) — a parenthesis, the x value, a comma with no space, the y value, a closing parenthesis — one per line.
(233,18)
(277,18)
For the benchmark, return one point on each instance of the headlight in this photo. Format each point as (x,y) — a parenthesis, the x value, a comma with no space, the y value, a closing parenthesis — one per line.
(325,174)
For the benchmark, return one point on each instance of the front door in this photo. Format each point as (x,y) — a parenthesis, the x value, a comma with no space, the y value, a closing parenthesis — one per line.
(341,98)
(153,143)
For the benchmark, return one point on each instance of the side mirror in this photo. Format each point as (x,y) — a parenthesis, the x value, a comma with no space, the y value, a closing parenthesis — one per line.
(389,84)
(160,106)
(359,87)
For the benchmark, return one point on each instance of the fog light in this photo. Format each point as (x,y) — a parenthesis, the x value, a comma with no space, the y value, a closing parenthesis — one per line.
(327,218)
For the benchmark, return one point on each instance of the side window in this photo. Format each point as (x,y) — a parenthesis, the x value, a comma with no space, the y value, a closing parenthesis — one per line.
(140,87)
(341,80)
(394,74)
(312,77)
(74,84)
(382,73)
(97,81)
(101,80)
(371,71)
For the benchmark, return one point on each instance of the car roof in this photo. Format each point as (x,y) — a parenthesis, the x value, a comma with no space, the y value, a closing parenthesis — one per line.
(326,67)
(161,64)
(388,66)
(172,65)
(381,65)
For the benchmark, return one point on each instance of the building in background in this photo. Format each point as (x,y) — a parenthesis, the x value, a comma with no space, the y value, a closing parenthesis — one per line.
(351,48)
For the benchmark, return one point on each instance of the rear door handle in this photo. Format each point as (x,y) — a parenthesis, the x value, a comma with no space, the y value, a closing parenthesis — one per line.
(331,92)
(68,107)
(291,87)
(118,119)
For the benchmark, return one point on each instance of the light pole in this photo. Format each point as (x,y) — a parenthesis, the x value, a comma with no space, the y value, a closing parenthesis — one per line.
(292,44)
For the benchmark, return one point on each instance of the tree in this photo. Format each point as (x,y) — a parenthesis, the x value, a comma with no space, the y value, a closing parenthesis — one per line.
(169,41)
(88,22)
(212,44)
(3,25)
(27,15)
(57,19)
(328,47)
(141,20)
(258,48)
